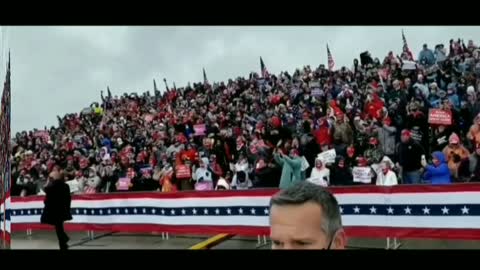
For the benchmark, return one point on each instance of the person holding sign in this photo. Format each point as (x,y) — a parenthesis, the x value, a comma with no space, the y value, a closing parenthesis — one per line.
(291,167)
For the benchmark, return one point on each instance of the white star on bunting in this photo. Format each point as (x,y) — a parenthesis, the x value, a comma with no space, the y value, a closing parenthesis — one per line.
(85,211)
(173,212)
(445,210)
(28,212)
(92,212)
(101,212)
(240,211)
(35,211)
(109,211)
(390,210)
(341,210)
(194,211)
(373,210)
(426,211)
(163,212)
(144,210)
(14,213)
(266,211)
(126,211)
(408,210)
(77,211)
(217,211)
(135,210)
(183,211)
(21,212)
(229,211)
(356,210)
(252,211)
(118,211)
(465,210)
(153,211)
(205,211)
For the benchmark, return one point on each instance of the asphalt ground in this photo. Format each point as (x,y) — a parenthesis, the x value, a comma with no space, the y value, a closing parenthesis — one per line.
(47,240)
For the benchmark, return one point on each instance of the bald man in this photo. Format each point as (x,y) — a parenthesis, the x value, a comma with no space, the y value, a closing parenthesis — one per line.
(57,206)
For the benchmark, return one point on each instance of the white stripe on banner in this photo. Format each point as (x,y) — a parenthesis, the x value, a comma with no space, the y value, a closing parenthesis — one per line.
(163,220)
(434,198)
(166,203)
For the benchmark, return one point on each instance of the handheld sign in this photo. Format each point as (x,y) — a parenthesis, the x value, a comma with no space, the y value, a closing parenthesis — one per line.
(328,156)
(124,183)
(439,117)
(199,129)
(362,175)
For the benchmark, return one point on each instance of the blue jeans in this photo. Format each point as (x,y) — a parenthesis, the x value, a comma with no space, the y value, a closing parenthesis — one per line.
(412,177)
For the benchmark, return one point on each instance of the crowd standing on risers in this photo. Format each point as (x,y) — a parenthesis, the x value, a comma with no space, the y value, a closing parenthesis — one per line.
(268,131)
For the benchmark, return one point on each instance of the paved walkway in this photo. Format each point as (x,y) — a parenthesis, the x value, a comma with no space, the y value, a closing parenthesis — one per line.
(47,240)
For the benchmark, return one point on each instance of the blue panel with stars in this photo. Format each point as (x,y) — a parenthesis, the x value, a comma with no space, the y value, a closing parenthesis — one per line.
(345,209)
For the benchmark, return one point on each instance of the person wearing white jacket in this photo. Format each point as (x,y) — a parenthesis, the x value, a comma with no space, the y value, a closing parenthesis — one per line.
(385,176)
(320,175)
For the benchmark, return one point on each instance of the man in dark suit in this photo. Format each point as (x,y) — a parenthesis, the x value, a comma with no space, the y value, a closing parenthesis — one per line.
(57,206)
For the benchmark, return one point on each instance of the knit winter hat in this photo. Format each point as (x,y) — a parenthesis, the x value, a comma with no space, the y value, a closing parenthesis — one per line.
(454,139)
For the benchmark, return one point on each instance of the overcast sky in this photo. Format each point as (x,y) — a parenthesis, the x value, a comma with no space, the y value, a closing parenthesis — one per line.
(58,70)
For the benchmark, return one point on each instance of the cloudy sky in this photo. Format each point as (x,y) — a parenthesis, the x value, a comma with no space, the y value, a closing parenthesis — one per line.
(58,70)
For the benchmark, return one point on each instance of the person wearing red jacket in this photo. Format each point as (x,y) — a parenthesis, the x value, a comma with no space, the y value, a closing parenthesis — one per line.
(323,134)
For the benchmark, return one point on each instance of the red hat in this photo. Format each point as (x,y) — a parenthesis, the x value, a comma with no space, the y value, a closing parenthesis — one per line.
(276,122)
(362,161)
(373,140)
(387,121)
(406,133)
(454,139)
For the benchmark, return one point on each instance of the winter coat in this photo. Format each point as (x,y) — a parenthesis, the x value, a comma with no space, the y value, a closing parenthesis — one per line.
(57,203)
(320,176)
(344,132)
(409,155)
(438,175)
(388,179)
(291,170)
(386,136)
(450,154)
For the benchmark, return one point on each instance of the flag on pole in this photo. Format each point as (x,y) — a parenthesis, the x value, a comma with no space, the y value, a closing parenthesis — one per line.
(205,80)
(263,69)
(331,62)
(405,46)
(5,228)
(155,89)
(109,93)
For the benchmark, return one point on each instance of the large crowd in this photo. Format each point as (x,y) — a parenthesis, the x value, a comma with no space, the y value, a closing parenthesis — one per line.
(371,123)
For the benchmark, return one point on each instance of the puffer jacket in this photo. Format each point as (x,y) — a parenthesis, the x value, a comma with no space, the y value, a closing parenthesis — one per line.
(438,175)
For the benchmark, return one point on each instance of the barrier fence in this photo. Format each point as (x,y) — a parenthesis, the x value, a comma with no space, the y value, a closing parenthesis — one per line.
(410,211)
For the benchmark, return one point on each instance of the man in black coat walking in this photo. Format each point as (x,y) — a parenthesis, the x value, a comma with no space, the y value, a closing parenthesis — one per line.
(57,206)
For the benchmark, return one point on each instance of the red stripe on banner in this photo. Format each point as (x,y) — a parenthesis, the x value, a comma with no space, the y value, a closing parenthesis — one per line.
(159,195)
(360,232)
(148,228)
(467,187)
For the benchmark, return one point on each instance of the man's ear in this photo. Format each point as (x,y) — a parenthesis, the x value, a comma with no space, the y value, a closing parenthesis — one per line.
(340,240)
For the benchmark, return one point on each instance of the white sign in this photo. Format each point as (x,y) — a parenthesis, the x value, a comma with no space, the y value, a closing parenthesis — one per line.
(409,65)
(328,156)
(73,185)
(362,175)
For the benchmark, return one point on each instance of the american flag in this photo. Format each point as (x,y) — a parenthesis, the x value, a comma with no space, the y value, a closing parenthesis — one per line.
(5,199)
(263,69)
(405,45)
(417,211)
(331,62)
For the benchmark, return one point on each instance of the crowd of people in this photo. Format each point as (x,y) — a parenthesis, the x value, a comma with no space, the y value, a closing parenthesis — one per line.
(375,120)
